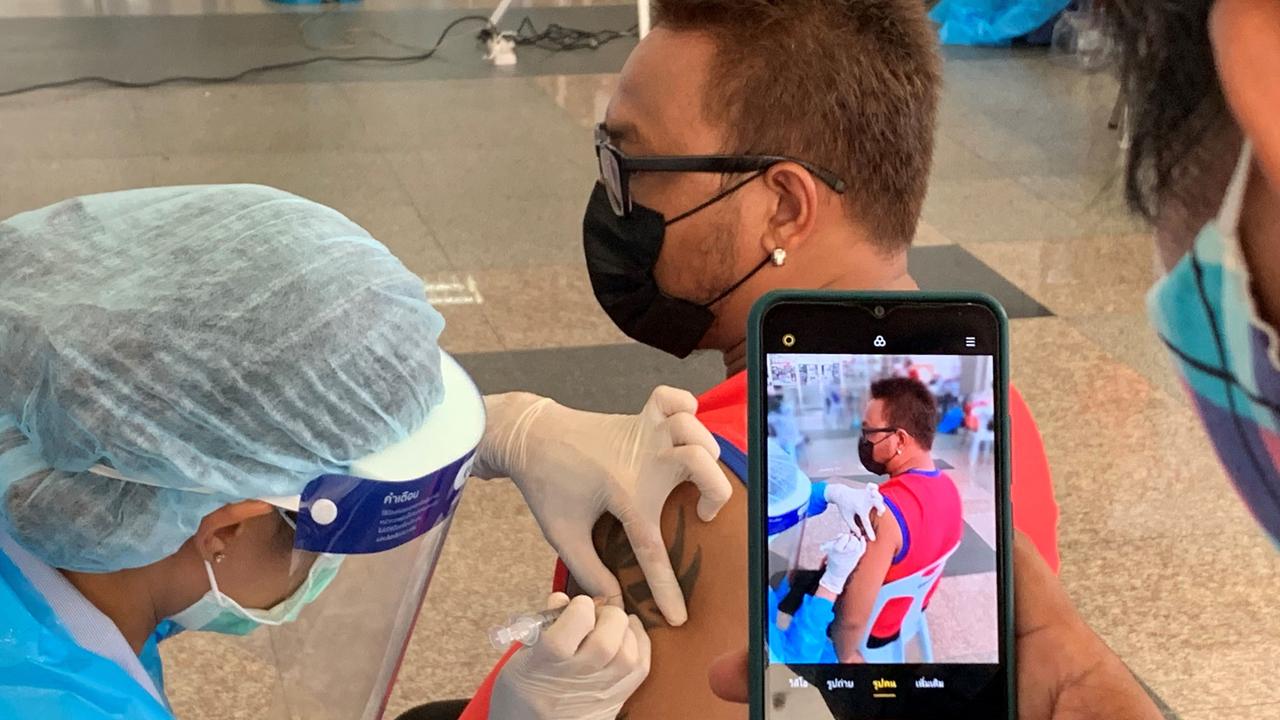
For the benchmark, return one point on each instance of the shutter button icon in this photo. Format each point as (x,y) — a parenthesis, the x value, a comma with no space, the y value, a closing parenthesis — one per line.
(879,341)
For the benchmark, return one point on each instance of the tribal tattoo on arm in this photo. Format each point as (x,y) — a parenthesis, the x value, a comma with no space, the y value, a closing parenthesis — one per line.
(686,560)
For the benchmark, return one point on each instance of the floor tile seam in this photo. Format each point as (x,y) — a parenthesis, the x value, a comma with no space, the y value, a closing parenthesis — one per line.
(1072,321)
(1018,179)
(971,246)
(403,186)
(1070,209)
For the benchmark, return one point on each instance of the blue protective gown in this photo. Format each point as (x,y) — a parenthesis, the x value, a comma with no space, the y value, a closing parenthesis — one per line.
(45,674)
(805,640)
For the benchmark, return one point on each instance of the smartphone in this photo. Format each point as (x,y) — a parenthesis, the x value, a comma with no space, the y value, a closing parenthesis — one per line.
(895,402)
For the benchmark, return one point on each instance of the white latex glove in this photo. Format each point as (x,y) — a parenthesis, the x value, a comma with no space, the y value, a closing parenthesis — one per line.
(843,554)
(853,503)
(584,666)
(573,466)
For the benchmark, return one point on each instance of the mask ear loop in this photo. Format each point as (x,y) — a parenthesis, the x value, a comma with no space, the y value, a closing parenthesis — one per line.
(222,600)
(715,198)
(767,261)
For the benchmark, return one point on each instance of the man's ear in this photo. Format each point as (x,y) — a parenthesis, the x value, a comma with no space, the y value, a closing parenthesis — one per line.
(219,528)
(903,437)
(793,215)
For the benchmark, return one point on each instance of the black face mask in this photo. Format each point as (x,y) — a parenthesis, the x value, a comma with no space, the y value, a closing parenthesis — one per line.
(867,454)
(621,254)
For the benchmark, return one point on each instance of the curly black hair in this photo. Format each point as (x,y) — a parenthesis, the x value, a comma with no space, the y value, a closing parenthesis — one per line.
(1182,132)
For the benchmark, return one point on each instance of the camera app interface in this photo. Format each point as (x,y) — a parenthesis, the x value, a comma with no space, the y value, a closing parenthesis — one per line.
(881,534)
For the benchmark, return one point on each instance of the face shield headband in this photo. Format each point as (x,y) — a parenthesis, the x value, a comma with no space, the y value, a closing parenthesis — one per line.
(394,496)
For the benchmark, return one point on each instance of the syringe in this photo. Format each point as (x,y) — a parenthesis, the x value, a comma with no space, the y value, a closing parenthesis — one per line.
(526,628)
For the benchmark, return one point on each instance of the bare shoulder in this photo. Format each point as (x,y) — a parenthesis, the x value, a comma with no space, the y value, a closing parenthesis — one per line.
(888,533)
(710,562)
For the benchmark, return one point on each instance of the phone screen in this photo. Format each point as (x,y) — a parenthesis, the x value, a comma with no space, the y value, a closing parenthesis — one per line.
(892,413)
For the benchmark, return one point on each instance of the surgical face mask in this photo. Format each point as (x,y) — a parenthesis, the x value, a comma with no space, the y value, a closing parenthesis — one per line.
(1204,312)
(867,455)
(215,612)
(621,255)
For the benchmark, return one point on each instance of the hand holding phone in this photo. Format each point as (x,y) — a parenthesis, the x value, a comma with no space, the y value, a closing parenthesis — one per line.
(1065,670)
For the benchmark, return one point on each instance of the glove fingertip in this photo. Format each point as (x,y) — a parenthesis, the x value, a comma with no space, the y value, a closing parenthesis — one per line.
(686,399)
(672,401)
(708,509)
(672,606)
(676,616)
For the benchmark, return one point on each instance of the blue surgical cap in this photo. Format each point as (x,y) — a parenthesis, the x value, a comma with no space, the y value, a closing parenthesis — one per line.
(216,343)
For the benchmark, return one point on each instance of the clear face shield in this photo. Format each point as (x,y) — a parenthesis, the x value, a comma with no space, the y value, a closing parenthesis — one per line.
(788,507)
(353,576)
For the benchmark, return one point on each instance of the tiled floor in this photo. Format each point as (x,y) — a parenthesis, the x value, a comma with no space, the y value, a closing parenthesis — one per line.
(153,8)
(477,181)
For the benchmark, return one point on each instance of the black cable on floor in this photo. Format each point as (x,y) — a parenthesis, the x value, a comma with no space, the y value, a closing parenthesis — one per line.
(558,38)
(257,70)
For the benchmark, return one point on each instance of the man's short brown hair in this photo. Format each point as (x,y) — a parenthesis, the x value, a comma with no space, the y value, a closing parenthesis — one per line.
(909,405)
(850,85)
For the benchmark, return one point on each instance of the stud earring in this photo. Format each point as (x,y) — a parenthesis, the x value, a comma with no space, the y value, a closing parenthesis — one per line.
(779,257)
(218,557)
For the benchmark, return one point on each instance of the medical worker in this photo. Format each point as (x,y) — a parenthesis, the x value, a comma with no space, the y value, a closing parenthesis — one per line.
(793,498)
(785,427)
(805,641)
(224,408)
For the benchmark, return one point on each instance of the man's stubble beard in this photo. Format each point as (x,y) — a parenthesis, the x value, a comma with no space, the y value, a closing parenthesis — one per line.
(721,262)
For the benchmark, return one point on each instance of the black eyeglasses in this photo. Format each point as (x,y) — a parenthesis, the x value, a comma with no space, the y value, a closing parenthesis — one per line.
(873,430)
(616,168)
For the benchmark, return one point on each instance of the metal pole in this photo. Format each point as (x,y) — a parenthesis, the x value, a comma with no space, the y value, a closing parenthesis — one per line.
(496,17)
(642,9)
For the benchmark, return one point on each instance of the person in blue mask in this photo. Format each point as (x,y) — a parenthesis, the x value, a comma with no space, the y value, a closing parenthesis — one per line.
(225,409)
(1204,168)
